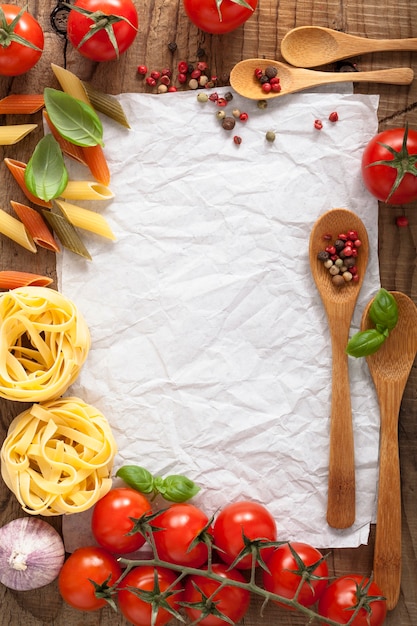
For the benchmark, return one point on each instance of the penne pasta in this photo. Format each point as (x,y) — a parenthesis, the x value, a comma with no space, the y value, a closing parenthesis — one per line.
(86,219)
(17,169)
(15,230)
(106,104)
(65,231)
(36,226)
(12,279)
(97,163)
(70,83)
(86,190)
(67,147)
(13,133)
(21,104)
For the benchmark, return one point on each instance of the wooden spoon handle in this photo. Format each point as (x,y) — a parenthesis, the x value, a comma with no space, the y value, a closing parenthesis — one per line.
(341,487)
(385,45)
(393,76)
(387,554)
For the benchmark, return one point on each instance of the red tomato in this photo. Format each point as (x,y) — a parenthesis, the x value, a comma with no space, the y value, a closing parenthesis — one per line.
(83,566)
(248,518)
(91,34)
(138,611)
(15,57)
(285,572)
(395,182)
(218,20)
(232,602)
(343,594)
(181,524)
(112,520)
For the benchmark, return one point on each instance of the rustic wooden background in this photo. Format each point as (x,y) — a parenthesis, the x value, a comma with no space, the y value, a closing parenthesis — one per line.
(162,22)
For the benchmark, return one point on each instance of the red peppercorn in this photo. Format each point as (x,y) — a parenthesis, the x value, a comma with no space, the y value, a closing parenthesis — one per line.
(347,251)
(354,252)
(331,249)
(142,69)
(357,243)
(266,87)
(333,117)
(274,80)
(166,72)
(182,78)
(171,88)
(237,139)
(183,67)
(214,96)
(155,75)
(352,234)
(401,221)
(353,270)
(343,237)
(258,73)
(150,81)
(202,66)
(243,117)
(165,80)
(276,87)
(196,74)
(221,102)
(318,124)
(327,236)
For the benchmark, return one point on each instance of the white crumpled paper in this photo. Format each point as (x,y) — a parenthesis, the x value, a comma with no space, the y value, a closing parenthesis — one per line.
(210,349)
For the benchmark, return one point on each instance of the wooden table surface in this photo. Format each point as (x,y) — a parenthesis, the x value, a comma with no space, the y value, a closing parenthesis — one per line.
(162,22)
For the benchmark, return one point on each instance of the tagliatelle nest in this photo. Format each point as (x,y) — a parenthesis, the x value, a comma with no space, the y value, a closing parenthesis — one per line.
(58,456)
(44,341)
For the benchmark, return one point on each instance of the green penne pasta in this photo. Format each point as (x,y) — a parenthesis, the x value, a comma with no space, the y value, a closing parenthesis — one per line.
(106,104)
(65,231)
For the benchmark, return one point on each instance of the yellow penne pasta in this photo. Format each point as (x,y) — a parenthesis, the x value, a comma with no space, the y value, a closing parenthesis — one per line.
(86,219)
(86,190)
(36,226)
(15,230)
(17,169)
(13,133)
(12,279)
(70,83)
(20,104)
(67,147)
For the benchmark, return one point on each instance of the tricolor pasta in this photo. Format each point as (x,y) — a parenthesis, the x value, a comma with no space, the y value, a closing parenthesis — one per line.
(58,456)
(44,341)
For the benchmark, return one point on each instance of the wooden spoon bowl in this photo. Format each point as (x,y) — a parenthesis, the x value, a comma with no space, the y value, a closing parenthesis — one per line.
(311,46)
(292,79)
(390,368)
(339,304)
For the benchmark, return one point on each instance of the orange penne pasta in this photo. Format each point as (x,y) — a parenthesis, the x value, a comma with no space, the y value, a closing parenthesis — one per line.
(97,163)
(68,148)
(21,104)
(12,279)
(17,169)
(36,226)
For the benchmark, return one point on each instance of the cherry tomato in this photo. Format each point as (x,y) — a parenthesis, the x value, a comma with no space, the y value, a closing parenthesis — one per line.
(15,57)
(112,520)
(381,179)
(97,44)
(207,16)
(285,573)
(84,565)
(179,526)
(232,602)
(138,611)
(343,594)
(248,518)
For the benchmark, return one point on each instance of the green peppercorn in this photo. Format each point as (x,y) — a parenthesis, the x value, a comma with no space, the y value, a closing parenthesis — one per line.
(262,104)
(221,115)
(202,97)
(270,136)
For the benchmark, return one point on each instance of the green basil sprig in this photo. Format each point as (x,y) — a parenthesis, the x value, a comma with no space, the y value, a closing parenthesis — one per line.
(174,488)
(74,120)
(384,314)
(45,174)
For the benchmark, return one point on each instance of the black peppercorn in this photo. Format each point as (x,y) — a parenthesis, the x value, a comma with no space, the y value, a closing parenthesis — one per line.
(323,255)
(271,71)
(228,123)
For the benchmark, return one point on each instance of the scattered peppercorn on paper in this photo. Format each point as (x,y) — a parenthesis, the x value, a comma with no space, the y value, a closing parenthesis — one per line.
(210,350)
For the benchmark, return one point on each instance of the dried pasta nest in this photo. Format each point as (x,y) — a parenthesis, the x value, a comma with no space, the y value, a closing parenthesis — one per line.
(44,341)
(58,456)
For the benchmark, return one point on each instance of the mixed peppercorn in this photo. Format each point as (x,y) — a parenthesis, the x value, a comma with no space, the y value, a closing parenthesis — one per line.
(339,257)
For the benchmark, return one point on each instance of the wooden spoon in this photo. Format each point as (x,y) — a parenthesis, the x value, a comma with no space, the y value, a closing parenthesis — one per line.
(310,46)
(243,80)
(390,367)
(339,304)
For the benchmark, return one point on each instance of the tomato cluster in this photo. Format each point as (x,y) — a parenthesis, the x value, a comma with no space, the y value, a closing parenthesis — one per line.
(194,558)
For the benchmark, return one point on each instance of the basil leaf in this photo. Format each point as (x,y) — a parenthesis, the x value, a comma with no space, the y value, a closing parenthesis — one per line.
(46,175)
(137,477)
(384,310)
(74,120)
(177,488)
(365,342)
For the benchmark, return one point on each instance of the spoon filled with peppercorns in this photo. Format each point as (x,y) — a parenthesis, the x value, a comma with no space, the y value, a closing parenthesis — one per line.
(264,78)
(390,367)
(338,258)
